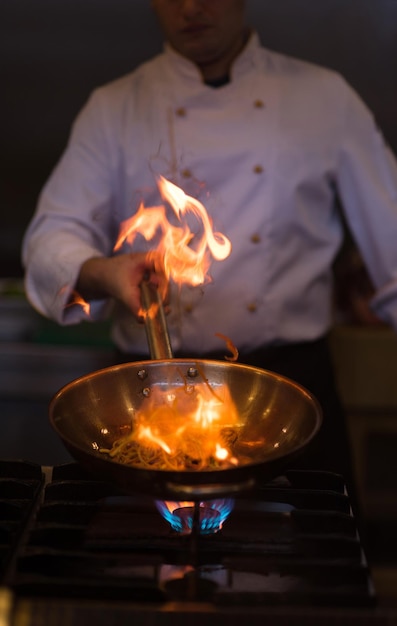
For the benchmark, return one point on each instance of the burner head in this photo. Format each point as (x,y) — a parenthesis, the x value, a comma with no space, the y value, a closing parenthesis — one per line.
(180,515)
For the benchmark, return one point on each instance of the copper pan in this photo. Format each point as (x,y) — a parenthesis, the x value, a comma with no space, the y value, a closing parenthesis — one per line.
(91,412)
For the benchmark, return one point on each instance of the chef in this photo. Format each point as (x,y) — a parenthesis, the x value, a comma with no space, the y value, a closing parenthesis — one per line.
(272,146)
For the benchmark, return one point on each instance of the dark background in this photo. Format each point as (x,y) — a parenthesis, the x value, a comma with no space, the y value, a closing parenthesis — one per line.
(55,51)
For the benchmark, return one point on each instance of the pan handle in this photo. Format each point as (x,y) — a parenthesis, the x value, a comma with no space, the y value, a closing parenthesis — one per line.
(187,492)
(155,323)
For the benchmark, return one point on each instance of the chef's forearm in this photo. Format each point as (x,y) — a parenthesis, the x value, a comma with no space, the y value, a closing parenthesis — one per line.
(94,279)
(118,277)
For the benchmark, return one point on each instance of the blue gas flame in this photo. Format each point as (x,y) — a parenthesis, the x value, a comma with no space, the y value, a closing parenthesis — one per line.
(179,515)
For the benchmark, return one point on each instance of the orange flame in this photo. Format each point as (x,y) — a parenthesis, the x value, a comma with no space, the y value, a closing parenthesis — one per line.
(221,453)
(230,346)
(145,432)
(188,423)
(75,298)
(182,261)
(179,504)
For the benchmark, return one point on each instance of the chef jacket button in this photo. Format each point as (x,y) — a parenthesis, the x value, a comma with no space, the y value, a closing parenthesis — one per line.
(251,307)
(188,308)
(258,169)
(255,238)
(259,104)
(181,112)
(186,173)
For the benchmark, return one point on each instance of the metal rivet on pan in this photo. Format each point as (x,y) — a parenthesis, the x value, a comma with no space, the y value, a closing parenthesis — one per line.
(146,392)
(192,372)
(142,374)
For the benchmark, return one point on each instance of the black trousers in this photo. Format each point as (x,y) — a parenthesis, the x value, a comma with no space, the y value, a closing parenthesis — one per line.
(310,365)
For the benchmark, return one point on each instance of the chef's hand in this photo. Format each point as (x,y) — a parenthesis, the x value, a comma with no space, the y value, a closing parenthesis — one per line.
(119,277)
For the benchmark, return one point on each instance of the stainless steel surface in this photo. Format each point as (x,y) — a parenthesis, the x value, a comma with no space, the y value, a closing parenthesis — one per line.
(91,412)
(155,323)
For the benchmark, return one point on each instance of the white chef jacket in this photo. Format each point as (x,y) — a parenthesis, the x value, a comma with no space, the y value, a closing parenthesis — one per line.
(266,154)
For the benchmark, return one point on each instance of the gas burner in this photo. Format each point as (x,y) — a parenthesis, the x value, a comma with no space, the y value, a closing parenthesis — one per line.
(206,517)
(66,538)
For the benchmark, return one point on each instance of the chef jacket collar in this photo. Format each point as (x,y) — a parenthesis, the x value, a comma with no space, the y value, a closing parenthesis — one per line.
(186,69)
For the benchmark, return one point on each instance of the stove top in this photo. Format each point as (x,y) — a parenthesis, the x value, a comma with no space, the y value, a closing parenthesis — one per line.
(74,545)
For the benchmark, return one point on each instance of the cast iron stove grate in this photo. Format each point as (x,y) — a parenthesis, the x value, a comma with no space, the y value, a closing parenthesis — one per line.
(293,542)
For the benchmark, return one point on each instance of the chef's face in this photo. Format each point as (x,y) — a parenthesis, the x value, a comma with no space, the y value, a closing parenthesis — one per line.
(204,31)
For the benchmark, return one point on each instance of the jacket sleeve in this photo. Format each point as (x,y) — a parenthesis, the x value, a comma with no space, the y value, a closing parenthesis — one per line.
(74,220)
(367,184)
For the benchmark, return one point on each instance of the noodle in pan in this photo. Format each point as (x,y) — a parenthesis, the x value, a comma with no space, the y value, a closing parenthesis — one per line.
(187,429)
